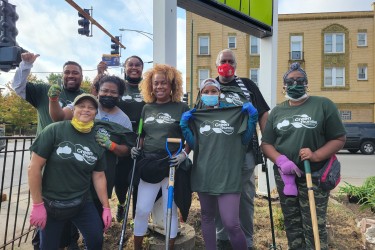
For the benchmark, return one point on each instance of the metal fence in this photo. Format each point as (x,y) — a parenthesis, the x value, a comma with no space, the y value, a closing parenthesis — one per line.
(14,205)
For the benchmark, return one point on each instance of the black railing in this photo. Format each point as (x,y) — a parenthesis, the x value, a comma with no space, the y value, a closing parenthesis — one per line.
(14,205)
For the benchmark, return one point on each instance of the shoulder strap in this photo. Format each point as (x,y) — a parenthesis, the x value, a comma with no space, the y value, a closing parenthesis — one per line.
(245,91)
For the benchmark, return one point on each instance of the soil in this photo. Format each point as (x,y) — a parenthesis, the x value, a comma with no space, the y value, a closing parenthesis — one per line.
(342,226)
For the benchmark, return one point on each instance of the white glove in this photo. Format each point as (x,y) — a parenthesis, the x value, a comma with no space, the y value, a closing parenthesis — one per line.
(178,159)
(135,152)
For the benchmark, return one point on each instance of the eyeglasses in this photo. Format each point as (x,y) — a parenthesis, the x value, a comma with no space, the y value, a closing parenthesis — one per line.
(298,81)
(108,91)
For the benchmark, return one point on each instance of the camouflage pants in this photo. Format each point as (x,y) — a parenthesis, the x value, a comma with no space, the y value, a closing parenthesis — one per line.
(297,217)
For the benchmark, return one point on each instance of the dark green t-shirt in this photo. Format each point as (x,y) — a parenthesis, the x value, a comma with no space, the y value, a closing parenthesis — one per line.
(37,95)
(218,152)
(132,103)
(71,158)
(162,121)
(310,125)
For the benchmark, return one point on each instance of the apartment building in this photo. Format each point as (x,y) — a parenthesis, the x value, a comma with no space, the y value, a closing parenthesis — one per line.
(336,50)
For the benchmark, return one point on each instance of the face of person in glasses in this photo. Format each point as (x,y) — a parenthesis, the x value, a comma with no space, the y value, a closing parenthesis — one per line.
(295,86)
(295,78)
(134,68)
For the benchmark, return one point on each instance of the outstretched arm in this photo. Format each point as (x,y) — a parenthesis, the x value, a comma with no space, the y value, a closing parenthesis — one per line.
(20,77)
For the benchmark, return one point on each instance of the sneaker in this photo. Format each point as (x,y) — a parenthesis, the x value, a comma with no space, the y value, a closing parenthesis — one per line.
(223,245)
(120,213)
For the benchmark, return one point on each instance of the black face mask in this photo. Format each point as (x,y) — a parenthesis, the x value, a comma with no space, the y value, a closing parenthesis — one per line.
(108,101)
(133,80)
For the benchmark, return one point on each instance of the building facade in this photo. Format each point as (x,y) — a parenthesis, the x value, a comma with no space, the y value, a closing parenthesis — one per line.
(336,50)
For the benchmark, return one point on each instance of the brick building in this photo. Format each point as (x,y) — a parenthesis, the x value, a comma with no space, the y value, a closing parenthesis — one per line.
(336,50)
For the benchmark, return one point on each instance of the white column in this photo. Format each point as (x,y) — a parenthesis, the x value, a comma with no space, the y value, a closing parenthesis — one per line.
(165,32)
(268,82)
(165,52)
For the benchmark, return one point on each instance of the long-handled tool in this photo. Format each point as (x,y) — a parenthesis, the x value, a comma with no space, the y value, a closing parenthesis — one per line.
(314,219)
(170,189)
(265,169)
(130,191)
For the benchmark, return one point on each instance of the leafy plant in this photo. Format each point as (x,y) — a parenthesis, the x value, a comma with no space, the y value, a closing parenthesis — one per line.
(278,219)
(365,193)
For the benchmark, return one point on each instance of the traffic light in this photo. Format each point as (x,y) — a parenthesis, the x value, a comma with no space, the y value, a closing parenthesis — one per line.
(8,18)
(10,57)
(84,23)
(185,99)
(115,47)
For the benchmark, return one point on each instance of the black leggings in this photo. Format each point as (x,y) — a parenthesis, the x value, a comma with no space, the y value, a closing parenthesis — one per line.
(122,181)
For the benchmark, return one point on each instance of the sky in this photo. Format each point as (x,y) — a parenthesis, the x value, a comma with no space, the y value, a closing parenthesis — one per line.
(49,28)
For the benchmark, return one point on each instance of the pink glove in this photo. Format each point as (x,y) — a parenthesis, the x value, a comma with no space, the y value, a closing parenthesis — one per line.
(290,187)
(107,217)
(38,215)
(287,166)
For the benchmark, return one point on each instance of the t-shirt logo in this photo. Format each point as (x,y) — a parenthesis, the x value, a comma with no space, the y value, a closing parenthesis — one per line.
(297,121)
(81,153)
(159,118)
(135,97)
(231,97)
(216,126)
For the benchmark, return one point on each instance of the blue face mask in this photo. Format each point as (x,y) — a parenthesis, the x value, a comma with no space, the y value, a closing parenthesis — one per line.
(210,100)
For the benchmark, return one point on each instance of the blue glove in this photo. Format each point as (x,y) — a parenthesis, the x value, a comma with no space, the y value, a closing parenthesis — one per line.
(249,108)
(186,116)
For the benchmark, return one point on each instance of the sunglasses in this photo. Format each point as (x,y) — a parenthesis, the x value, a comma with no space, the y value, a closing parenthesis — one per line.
(298,81)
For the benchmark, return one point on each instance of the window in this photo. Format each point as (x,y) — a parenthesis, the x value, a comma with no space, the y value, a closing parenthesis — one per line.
(254,45)
(362,39)
(334,43)
(204,48)
(346,115)
(362,73)
(334,77)
(203,74)
(296,47)
(254,73)
(232,43)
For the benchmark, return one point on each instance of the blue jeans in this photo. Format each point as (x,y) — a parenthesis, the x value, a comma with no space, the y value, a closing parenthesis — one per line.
(87,221)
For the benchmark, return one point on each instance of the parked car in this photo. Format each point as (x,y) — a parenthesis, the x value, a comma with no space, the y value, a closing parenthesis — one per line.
(360,136)
(2,142)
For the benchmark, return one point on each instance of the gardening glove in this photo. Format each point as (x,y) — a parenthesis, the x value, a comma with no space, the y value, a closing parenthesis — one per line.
(135,152)
(107,218)
(250,109)
(290,187)
(186,116)
(178,159)
(287,166)
(103,140)
(54,92)
(38,215)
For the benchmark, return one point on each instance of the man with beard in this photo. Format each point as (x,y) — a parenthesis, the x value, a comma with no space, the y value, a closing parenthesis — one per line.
(36,95)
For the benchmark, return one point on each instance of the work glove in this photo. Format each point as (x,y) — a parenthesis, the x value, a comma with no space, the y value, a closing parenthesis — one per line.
(249,108)
(107,218)
(178,159)
(38,215)
(54,92)
(135,152)
(186,116)
(287,166)
(103,140)
(290,186)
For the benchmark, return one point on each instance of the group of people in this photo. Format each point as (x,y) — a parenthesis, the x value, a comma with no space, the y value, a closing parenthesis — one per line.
(85,148)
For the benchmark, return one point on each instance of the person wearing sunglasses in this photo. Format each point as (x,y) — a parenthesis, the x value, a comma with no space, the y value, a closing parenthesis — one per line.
(301,128)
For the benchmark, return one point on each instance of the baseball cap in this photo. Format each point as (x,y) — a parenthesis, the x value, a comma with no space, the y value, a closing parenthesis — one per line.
(84,96)
(209,82)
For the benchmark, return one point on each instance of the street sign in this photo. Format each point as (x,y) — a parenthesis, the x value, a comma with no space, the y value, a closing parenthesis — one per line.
(111,60)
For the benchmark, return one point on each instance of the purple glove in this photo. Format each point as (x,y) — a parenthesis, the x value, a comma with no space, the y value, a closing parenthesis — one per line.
(287,166)
(38,215)
(290,187)
(107,217)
